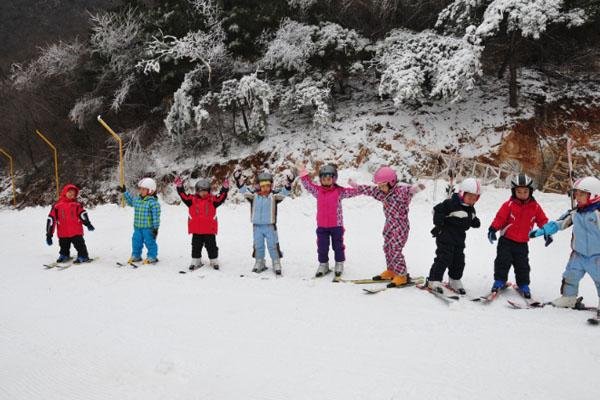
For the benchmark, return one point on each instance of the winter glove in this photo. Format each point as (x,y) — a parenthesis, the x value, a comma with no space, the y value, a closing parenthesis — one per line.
(237,176)
(290,179)
(178,182)
(547,230)
(417,188)
(436,231)
(492,235)
(49,240)
(475,222)
(352,183)
(90,227)
(122,188)
(155,233)
(225,184)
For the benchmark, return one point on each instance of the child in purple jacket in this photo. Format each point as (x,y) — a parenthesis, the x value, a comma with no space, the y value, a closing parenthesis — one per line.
(330,224)
(396,199)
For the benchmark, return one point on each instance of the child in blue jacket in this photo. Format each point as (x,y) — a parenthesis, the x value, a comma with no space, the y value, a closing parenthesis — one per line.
(263,214)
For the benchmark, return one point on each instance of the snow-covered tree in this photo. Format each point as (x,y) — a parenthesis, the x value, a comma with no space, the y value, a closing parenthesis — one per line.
(84,108)
(180,120)
(57,59)
(511,21)
(205,46)
(291,48)
(309,94)
(425,65)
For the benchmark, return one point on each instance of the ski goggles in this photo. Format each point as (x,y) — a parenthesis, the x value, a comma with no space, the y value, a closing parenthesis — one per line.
(326,175)
(265,183)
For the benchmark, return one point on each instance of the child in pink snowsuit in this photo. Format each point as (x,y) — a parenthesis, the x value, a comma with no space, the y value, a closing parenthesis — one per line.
(395,199)
(330,224)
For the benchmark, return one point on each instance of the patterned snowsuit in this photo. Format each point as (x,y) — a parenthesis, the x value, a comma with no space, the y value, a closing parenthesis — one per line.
(396,228)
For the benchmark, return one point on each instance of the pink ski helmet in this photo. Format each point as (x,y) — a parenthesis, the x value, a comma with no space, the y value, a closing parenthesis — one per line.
(385,175)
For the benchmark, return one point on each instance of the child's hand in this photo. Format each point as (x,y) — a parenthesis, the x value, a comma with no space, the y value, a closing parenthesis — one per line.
(49,240)
(225,184)
(90,227)
(237,176)
(416,188)
(122,188)
(352,183)
(178,182)
(155,233)
(301,167)
(492,235)
(436,231)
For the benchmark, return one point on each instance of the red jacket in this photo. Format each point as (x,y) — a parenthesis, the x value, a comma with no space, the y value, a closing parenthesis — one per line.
(516,218)
(202,213)
(67,216)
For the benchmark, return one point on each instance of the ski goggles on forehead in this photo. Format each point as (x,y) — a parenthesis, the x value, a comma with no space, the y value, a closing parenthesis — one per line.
(326,175)
(264,183)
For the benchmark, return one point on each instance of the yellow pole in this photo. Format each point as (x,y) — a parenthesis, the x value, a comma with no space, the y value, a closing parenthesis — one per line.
(49,143)
(121,164)
(12,175)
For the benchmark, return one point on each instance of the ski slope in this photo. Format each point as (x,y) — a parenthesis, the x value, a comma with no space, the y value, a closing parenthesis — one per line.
(97,331)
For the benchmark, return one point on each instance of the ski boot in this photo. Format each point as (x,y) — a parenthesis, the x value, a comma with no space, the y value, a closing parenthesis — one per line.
(339,268)
(150,260)
(498,286)
(456,285)
(81,259)
(386,275)
(524,290)
(565,301)
(435,286)
(63,259)
(259,265)
(214,263)
(195,264)
(133,259)
(277,267)
(398,280)
(322,270)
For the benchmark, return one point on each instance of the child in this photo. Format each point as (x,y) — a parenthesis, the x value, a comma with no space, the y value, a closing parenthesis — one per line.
(395,199)
(330,224)
(263,214)
(145,222)
(68,217)
(514,220)
(451,219)
(202,219)
(585,257)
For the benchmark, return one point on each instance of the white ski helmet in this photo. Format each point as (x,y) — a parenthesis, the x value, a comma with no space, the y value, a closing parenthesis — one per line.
(148,183)
(470,185)
(590,185)
(521,180)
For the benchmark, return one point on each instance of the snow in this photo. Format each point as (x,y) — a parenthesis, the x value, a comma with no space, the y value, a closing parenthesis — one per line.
(101,332)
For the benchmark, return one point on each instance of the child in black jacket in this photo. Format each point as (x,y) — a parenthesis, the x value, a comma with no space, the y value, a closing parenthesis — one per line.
(452,218)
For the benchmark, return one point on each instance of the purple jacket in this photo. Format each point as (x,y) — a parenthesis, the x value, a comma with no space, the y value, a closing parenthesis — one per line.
(329,202)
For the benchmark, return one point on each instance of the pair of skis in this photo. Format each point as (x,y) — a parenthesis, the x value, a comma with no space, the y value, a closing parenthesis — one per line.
(411,282)
(67,264)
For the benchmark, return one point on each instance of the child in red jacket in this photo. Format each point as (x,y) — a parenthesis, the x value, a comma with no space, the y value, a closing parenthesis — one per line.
(514,220)
(202,219)
(68,217)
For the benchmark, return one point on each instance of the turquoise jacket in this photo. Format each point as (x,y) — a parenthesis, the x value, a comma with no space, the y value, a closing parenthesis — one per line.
(263,209)
(586,229)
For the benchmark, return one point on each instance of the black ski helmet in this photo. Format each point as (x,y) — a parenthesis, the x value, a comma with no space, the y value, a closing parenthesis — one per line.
(521,180)
(265,176)
(328,169)
(202,184)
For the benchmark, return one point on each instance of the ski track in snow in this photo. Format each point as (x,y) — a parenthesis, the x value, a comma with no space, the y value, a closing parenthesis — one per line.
(96,331)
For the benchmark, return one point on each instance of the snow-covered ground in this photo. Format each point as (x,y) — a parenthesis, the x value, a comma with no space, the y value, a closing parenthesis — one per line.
(101,332)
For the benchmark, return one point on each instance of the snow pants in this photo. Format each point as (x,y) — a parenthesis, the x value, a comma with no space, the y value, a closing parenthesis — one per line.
(448,255)
(577,266)
(266,233)
(512,253)
(393,243)
(336,236)
(78,243)
(208,241)
(141,237)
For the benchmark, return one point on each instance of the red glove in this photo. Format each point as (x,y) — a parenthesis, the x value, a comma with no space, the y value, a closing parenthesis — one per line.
(226,184)
(178,182)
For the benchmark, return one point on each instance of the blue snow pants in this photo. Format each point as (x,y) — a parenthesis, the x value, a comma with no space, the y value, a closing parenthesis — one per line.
(576,268)
(268,233)
(141,237)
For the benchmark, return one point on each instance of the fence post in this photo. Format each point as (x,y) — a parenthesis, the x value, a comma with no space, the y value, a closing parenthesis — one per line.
(49,143)
(12,175)
(121,164)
